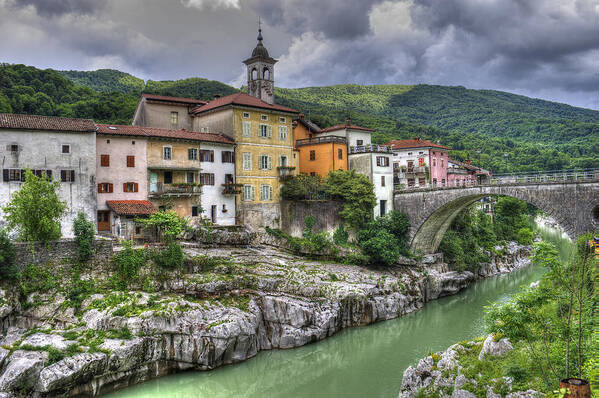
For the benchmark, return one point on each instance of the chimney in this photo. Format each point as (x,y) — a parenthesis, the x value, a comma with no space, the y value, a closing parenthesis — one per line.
(348,122)
(216,96)
(468,162)
(302,116)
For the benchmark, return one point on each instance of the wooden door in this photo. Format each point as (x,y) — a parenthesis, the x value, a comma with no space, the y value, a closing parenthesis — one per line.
(103,220)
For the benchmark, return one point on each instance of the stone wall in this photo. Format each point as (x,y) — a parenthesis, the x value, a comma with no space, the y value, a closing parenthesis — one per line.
(255,216)
(293,213)
(40,253)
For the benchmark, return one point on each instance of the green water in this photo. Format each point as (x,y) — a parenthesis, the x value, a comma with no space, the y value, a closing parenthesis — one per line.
(358,362)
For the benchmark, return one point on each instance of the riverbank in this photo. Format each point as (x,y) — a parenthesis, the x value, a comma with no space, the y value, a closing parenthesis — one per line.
(230,305)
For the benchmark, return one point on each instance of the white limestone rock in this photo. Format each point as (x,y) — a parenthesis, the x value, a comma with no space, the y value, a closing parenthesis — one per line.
(22,370)
(462,394)
(495,348)
(70,371)
(40,340)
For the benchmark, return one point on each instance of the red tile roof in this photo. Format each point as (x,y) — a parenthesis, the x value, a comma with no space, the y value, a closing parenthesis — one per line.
(153,132)
(131,207)
(345,126)
(414,143)
(242,99)
(179,100)
(52,123)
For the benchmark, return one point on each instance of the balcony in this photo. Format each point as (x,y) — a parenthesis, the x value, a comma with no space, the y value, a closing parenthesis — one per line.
(369,148)
(285,172)
(413,171)
(321,140)
(231,188)
(456,170)
(181,189)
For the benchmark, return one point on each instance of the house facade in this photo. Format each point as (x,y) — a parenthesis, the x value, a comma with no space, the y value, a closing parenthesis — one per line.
(465,174)
(165,112)
(318,155)
(63,148)
(419,163)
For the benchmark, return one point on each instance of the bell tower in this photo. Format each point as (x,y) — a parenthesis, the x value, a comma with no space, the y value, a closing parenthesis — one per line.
(261,72)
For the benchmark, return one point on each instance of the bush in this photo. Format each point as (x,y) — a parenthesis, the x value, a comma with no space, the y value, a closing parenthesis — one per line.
(170,258)
(35,278)
(128,262)
(8,269)
(356,192)
(525,236)
(340,236)
(384,239)
(309,222)
(84,231)
(302,187)
(168,223)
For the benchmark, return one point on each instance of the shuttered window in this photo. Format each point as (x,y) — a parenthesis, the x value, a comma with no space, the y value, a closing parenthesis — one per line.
(247,161)
(382,161)
(249,192)
(265,162)
(265,131)
(207,178)
(283,133)
(192,154)
(228,157)
(67,175)
(105,160)
(105,187)
(246,129)
(265,192)
(206,155)
(130,187)
(130,161)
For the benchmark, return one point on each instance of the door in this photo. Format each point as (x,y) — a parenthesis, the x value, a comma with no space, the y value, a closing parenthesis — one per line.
(103,220)
(153,182)
(213,214)
(382,207)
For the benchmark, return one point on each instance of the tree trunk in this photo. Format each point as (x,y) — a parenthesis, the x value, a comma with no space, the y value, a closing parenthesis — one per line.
(576,388)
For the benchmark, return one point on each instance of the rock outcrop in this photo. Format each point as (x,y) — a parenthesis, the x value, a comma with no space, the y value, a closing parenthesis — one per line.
(232,304)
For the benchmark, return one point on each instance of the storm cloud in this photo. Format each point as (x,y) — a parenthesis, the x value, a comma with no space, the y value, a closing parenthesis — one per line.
(541,48)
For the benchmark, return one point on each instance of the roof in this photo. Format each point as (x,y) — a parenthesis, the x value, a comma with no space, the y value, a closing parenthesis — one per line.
(131,207)
(242,99)
(414,143)
(476,169)
(52,123)
(179,100)
(345,126)
(313,127)
(153,132)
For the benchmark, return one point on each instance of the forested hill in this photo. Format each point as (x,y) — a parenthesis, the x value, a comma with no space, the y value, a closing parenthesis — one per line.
(535,134)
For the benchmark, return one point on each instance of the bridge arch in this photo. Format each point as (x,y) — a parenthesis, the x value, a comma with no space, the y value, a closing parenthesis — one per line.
(572,204)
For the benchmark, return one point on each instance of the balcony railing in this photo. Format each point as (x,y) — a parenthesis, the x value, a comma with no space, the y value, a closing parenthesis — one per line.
(231,188)
(160,188)
(370,148)
(416,170)
(321,140)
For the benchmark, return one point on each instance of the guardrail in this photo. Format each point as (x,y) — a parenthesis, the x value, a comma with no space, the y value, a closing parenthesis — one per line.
(320,140)
(370,148)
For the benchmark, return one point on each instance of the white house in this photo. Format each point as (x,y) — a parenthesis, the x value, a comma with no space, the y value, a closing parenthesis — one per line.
(419,163)
(64,148)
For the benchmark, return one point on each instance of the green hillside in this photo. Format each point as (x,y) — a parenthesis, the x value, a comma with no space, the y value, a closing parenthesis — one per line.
(106,80)
(535,134)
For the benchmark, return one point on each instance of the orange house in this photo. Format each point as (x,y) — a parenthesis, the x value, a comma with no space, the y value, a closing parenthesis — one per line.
(318,155)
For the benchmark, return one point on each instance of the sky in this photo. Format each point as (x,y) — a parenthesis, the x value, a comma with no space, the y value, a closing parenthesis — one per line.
(540,48)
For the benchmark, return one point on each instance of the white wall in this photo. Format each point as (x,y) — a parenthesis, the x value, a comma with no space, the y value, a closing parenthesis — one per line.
(212,194)
(401,157)
(354,135)
(382,192)
(42,150)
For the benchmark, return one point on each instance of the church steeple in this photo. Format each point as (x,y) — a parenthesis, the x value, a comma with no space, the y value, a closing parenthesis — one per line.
(260,67)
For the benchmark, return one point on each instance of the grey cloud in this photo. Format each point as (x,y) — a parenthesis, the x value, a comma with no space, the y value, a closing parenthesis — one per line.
(60,7)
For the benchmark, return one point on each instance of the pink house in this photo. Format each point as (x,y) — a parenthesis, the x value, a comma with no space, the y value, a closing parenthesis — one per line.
(466,175)
(419,163)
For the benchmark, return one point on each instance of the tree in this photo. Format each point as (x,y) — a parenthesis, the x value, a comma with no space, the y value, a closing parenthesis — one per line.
(302,187)
(35,210)
(8,269)
(168,223)
(510,216)
(85,232)
(356,192)
(384,239)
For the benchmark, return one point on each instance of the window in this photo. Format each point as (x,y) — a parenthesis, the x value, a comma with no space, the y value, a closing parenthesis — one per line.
(382,161)
(409,153)
(246,129)
(410,182)
(422,153)
(247,161)
(265,131)
(66,149)
(105,187)
(282,120)
(67,175)
(421,182)
(167,153)
(190,177)
(174,119)
(194,211)
(254,74)
(264,117)
(108,141)
(130,187)
(246,115)
(168,177)
(132,142)
(283,161)
(265,162)
(382,181)
(340,153)
(410,166)
(265,192)
(383,207)
(192,154)
(105,160)
(130,161)
(266,74)
(283,133)
(206,155)
(249,192)
(443,182)
(12,175)
(434,182)
(228,157)
(207,178)
(442,163)
(359,142)
(434,162)
(312,155)
(313,173)
(14,148)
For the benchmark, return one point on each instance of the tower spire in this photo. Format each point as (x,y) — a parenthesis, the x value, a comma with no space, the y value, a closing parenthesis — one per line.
(259,30)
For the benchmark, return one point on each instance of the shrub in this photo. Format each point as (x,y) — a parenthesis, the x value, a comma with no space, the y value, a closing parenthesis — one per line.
(8,269)
(168,223)
(302,187)
(309,222)
(84,231)
(170,258)
(35,278)
(35,210)
(356,192)
(379,246)
(340,236)
(128,262)
(525,236)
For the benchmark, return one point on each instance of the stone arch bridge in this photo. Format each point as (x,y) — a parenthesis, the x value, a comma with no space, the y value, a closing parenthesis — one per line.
(573,204)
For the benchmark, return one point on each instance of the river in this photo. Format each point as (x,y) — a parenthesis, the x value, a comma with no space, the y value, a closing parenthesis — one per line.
(358,362)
